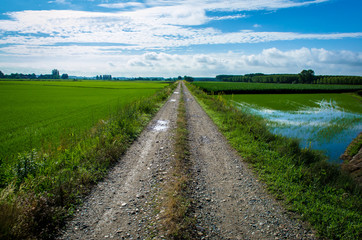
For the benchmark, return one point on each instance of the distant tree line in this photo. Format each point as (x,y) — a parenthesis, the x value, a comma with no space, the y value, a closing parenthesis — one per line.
(348,80)
(305,77)
(104,77)
(55,75)
(188,79)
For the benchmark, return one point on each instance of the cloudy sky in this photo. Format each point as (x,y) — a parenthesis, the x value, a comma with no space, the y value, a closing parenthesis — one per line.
(180,37)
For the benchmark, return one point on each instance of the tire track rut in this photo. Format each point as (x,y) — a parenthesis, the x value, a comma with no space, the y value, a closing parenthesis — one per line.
(228,200)
(121,206)
(230,203)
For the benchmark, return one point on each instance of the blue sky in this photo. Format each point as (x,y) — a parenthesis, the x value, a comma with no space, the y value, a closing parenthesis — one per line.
(180,37)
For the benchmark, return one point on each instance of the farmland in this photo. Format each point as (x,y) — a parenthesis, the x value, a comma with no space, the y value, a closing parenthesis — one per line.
(294,102)
(58,139)
(299,176)
(43,114)
(327,122)
(239,88)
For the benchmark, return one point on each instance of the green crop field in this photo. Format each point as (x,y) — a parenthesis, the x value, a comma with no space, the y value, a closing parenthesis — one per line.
(231,87)
(294,102)
(58,138)
(36,114)
(324,121)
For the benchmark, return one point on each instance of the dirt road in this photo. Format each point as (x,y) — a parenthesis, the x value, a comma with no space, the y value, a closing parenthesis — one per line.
(229,202)
(120,207)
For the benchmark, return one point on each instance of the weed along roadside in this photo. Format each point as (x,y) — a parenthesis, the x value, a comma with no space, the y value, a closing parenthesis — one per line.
(319,192)
(49,186)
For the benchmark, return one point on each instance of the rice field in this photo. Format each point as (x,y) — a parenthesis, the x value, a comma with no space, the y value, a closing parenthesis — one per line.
(241,88)
(43,114)
(326,122)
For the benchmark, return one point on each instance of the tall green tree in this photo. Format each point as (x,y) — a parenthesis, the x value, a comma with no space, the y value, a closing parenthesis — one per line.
(188,79)
(306,76)
(55,74)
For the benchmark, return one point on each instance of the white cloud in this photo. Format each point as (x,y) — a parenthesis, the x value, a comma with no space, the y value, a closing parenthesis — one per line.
(270,60)
(122,5)
(59,2)
(163,24)
(228,17)
(96,40)
(235,5)
(144,29)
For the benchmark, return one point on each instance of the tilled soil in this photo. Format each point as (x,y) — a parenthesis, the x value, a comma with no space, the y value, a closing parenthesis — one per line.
(228,201)
(121,206)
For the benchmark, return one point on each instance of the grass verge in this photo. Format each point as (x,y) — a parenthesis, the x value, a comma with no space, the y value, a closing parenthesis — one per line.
(48,185)
(353,148)
(319,192)
(177,223)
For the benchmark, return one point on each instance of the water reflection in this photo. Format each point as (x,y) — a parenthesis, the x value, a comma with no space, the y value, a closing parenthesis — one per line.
(326,127)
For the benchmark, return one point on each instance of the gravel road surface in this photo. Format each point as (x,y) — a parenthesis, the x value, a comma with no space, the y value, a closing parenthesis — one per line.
(121,206)
(229,201)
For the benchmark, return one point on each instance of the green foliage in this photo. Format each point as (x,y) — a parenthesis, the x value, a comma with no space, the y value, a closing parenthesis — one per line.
(260,78)
(355,146)
(242,88)
(45,186)
(188,79)
(25,166)
(350,80)
(318,191)
(305,77)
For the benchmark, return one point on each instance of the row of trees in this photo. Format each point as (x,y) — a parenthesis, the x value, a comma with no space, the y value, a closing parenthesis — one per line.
(305,76)
(275,78)
(349,80)
(55,75)
(104,77)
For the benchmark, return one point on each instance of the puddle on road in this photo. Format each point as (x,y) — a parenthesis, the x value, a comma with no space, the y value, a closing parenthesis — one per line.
(173,100)
(205,140)
(176,92)
(161,125)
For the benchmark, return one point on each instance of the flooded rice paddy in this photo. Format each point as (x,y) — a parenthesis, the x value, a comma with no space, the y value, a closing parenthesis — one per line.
(321,124)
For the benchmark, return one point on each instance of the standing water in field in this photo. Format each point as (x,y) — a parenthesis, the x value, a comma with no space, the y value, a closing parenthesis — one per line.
(327,127)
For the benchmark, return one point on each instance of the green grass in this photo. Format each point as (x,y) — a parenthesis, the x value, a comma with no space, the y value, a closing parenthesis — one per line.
(354,147)
(241,88)
(37,114)
(177,222)
(294,102)
(43,187)
(319,192)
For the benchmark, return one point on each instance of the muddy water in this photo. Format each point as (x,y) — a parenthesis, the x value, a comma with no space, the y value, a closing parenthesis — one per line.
(328,127)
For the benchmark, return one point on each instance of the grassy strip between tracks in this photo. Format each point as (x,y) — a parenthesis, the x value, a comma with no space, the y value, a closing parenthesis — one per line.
(318,191)
(48,186)
(177,223)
